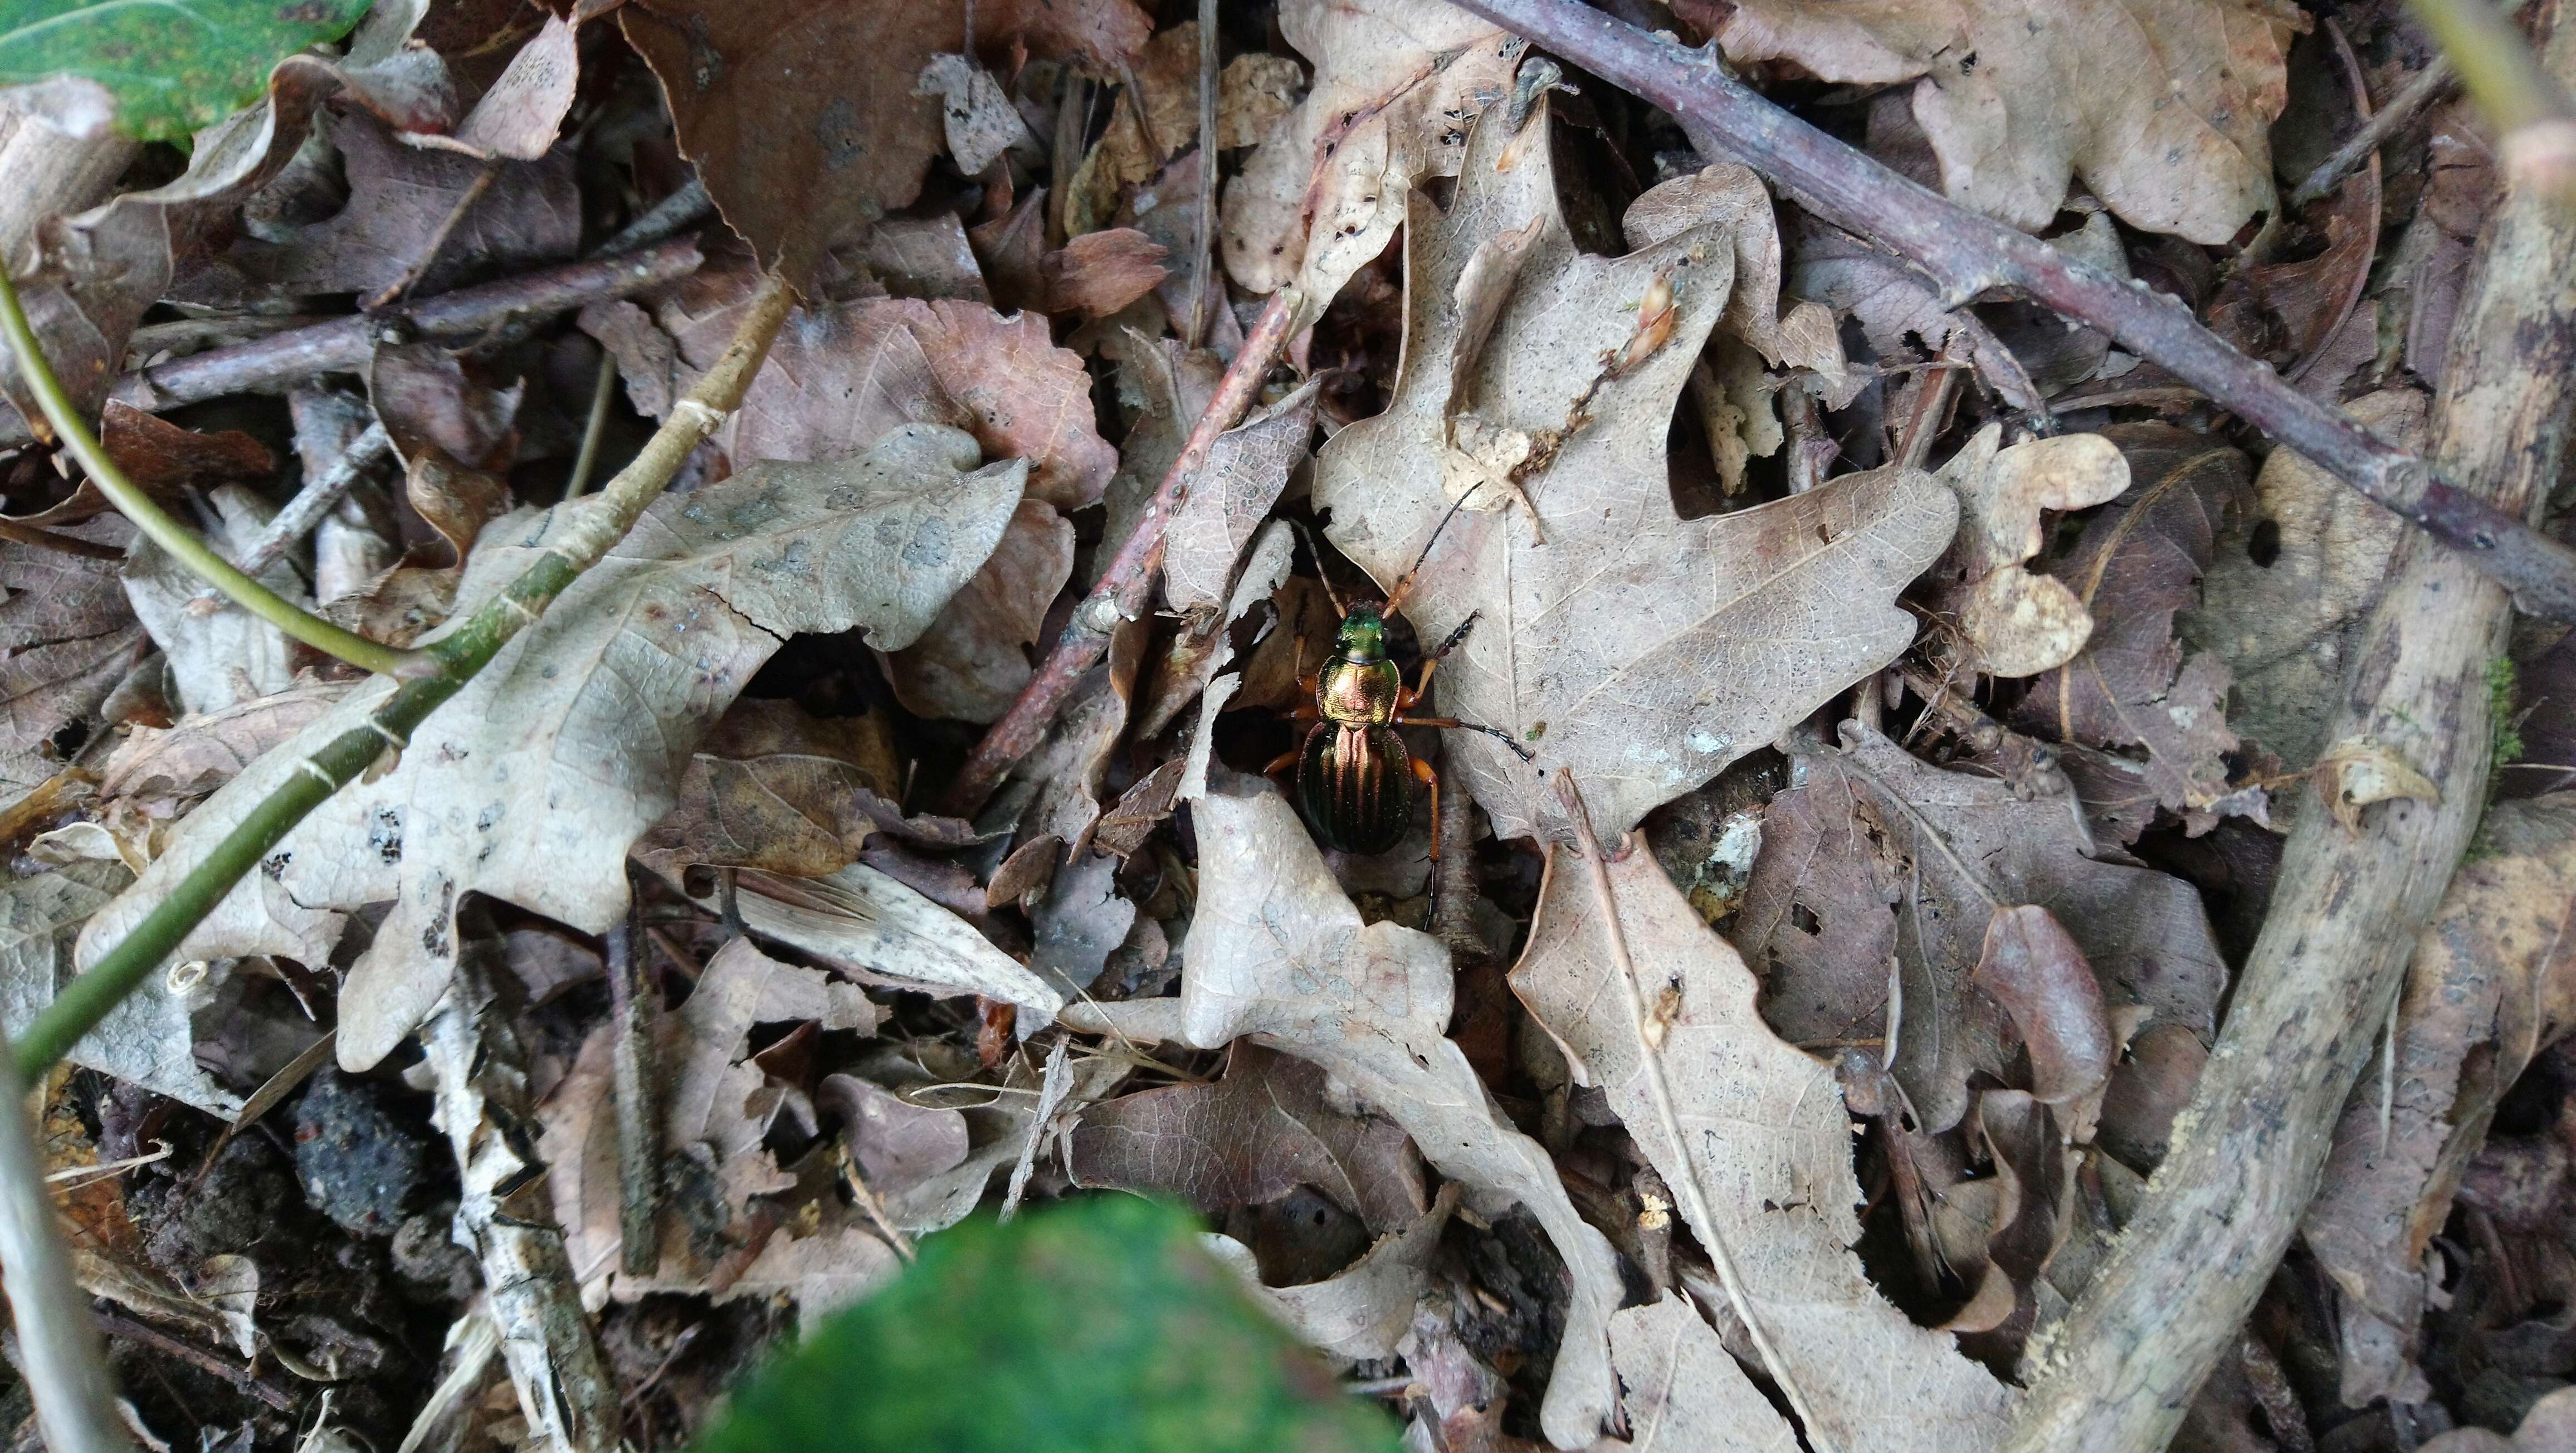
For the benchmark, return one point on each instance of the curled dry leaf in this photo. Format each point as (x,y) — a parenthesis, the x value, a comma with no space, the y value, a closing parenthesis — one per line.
(159,770)
(974,659)
(804,118)
(1266,1127)
(2021,623)
(1396,84)
(2290,583)
(1768,1139)
(975,115)
(897,1144)
(1878,868)
(2172,138)
(1643,651)
(1246,470)
(2357,771)
(774,789)
(842,374)
(875,927)
(2493,984)
(1362,1312)
(572,741)
(519,116)
(2034,968)
(1278,953)
(1733,198)
(1150,122)
(1897,304)
(1099,273)
(161,457)
(2136,565)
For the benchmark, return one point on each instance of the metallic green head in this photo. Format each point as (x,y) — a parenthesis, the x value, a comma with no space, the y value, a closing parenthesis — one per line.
(1363,636)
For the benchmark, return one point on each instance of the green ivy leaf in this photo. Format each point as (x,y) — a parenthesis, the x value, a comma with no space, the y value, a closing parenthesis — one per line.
(1099,1324)
(171,65)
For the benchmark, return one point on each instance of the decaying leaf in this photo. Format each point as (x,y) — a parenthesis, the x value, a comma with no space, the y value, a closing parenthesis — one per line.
(2021,622)
(2033,967)
(873,926)
(1396,84)
(1268,1125)
(1099,273)
(804,118)
(2290,581)
(223,656)
(158,769)
(146,1040)
(1363,1311)
(1880,873)
(2493,984)
(1767,1137)
(774,789)
(1681,1384)
(1246,469)
(2136,565)
(974,659)
(2159,108)
(1277,952)
(974,114)
(1896,304)
(532,783)
(1644,651)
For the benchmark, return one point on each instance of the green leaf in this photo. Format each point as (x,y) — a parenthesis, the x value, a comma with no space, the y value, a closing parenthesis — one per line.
(171,65)
(1099,1324)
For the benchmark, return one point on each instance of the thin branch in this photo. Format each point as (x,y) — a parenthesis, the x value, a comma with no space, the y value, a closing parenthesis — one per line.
(58,1345)
(127,1329)
(344,345)
(1967,255)
(2248,1151)
(400,288)
(1650,1050)
(156,523)
(1205,288)
(319,496)
(639,1122)
(1121,591)
(2428,86)
(684,208)
(2493,63)
(594,529)
(603,392)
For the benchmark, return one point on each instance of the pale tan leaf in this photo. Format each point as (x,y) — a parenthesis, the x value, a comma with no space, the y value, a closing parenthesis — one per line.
(1768,1139)
(1644,651)
(1246,469)
(1684,1391)
(974,659)
(532,783)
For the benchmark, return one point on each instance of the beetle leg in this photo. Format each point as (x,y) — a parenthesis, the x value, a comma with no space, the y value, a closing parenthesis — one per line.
(1497,733)
(1429,777)
(1282,762)
(1431,663)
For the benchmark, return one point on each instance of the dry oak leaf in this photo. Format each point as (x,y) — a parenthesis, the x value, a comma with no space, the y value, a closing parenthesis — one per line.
(1265,1128)
(158,769)
(535,780)
(2160,107)
(1363,1310)
(1643,651)
(1396,84)
(1099,273)
(974,659)
(1683,1391)
(1278,953)
(1899,307)
(2492,986)
(2137,564)
(1247,468)
(803,115)
(1772,1146)
(1151,121)
(773,789)
(841,374)
(1872,857)
(55,596)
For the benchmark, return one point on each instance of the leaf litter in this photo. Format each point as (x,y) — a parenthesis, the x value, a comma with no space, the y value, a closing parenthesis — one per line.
(1963,734)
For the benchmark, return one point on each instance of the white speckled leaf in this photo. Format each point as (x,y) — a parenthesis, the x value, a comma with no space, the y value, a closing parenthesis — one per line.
(1642,650)
(532,783)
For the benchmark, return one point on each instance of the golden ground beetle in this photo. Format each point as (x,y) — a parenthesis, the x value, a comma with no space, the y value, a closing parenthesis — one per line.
(1355,776)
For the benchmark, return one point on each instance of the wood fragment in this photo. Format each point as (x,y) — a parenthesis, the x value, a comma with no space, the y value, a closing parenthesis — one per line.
(639,1141)
(2116,1375)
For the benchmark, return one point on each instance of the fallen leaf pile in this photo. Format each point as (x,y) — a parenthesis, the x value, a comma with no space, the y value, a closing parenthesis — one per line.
(1941,677)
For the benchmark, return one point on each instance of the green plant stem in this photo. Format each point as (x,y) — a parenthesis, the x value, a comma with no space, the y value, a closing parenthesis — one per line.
(457,656)
(2494,64)
(168,533)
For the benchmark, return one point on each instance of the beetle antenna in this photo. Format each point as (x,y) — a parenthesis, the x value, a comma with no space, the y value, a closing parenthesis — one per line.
(1316,549)
(1404,587)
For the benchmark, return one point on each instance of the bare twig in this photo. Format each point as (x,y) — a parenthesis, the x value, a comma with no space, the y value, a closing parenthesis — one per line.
(1204,287)
(1122,587)
(683,209)
(344,345)
(127,1329)
(2117,1373)
(1650,1050)
(1968,255)
(639,1133)
(603,392)
(58,1345)
(2428,86)
(319,496)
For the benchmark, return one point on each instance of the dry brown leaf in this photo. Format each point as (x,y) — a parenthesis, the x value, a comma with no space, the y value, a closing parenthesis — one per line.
(896,1144)
(878,930)
(519,116)
(975,115)
(146,1039)
(1071,767)
(2021,623)
(2493,984)
(1875,867)
(160,457)
(1144,130)
(2159,108)
(1769,1142)
(1643,651)
(47,689)
(1897,305)
(842,374)
(536,800)
(803,116)
(1363,1311)
(1164,387)
(774,789)
(55,596)
(1267,1126)
(1396,84)
(2035,969)
(399,199)
(2290,582)
(2550,1425)
(974,659)
(1099,273)
(1734,198)
(159,770)
(226,655)
(2136,565)
(1277,952)
(1230,496)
